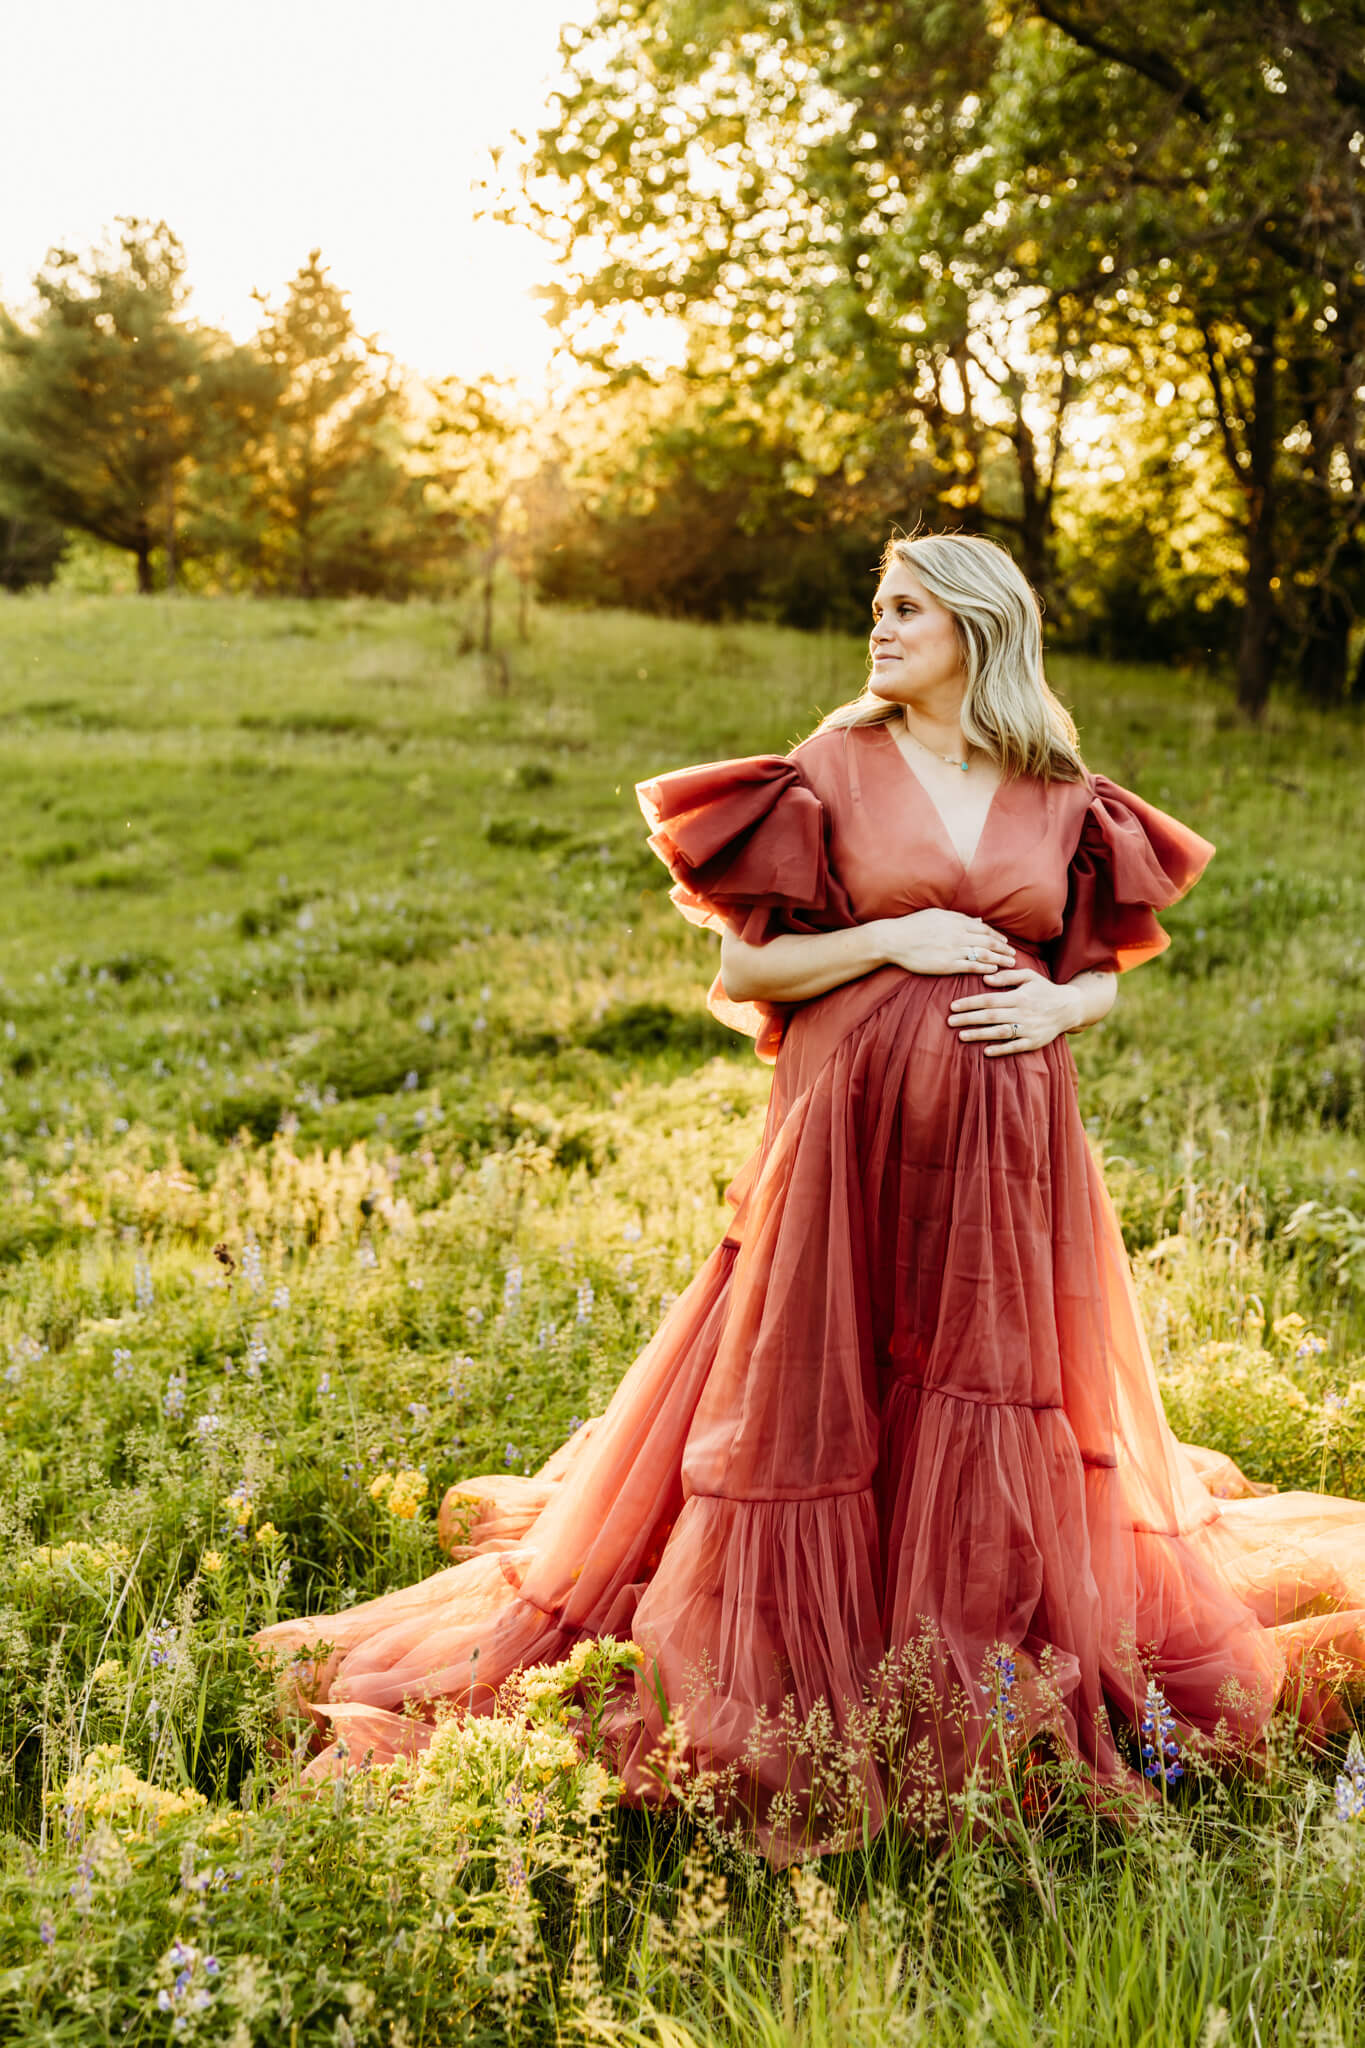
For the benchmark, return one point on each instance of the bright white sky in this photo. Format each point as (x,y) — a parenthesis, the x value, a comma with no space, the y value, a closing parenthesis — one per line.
(261,129)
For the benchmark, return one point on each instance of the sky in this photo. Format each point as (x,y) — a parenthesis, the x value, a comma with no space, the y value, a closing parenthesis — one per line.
(261,129)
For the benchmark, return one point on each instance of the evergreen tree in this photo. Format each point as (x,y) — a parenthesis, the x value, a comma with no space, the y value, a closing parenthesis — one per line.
(100,406)
(328,502)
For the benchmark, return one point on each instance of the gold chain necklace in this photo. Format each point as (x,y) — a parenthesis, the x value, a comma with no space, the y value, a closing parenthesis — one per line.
(951,759)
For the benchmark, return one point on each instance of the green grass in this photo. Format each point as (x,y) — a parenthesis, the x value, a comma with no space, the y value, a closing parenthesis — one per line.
(321,946)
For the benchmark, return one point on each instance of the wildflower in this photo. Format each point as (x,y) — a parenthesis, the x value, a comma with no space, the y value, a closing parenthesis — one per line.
(379,1486)
(999,1688)
(325,1387)
(253,1267)
(419,1412)
(238,1506)
(632,1233)
(189,1990)
(1350,1788)
(257,1352)
(1312,1346)
(211,1561)
(173,1400)
(123,1363)
(586,1297)
(268,1535)
(473,1315)
(406,1495)
(24,1351)
(510,1455)
(1160,1750)
(143,1293)
(106,1788)
(161,1644)
(280,1298)
(365,1254)
(47,1933)
(206,1425)
(511,1290)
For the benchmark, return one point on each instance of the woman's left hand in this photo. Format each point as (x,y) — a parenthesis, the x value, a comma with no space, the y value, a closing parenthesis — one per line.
(1023,1012)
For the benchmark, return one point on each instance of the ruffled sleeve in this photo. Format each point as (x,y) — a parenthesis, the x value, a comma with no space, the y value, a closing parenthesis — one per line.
(1131,860)
(747,845)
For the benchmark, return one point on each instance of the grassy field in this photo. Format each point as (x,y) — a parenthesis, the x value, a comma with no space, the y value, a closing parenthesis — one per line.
(327,948)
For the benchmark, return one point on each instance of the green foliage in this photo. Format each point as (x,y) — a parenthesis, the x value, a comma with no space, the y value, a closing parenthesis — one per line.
(934,249)
(329,505)
(352,1151)
(101,405)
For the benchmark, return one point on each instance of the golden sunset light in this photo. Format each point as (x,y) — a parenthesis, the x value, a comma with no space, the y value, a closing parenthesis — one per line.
(265,131)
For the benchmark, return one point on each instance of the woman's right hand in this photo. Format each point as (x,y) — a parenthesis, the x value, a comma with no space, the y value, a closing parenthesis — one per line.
(944,942)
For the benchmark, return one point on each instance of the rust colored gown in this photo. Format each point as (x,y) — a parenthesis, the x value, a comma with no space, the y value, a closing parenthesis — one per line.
(904,1419)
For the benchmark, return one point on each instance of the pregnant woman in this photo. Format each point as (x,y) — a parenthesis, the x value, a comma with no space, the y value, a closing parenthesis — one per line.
(890,1493)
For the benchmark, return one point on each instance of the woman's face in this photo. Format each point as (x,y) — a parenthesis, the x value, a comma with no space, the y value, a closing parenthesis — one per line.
(916,652)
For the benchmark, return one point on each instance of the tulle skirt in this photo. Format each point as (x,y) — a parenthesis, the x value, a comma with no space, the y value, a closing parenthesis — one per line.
(890,1493)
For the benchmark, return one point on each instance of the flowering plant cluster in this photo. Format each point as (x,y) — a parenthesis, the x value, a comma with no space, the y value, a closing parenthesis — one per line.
(1160,1750)
(1350,1785)
(107,1788)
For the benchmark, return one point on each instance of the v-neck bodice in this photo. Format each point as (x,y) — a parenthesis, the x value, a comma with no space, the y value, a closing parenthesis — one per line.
(926,792)
(894,854)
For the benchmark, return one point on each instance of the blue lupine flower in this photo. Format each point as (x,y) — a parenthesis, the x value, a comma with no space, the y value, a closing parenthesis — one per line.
(999,1687)
(1350,1791)
(1160,1750)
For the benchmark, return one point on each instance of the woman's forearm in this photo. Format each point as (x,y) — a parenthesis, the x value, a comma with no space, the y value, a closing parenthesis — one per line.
(1093,993)
(794,967)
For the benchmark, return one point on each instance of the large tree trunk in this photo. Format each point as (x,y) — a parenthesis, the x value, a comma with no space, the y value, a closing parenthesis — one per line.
(1035,513)
(1325,661)
(1258,646)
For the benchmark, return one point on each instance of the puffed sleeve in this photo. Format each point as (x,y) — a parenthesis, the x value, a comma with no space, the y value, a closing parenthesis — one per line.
(747,845)
(1131,860)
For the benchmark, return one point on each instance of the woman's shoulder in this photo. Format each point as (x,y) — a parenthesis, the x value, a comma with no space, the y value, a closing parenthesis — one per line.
(823,758)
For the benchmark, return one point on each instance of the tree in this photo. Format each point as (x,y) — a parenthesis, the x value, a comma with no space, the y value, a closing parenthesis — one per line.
(944,221)
(1210,159)
(324,500)
(100,409)
(491,483)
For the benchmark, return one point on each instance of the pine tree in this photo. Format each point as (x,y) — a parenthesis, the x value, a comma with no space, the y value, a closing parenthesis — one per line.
(338,508)
(100,407)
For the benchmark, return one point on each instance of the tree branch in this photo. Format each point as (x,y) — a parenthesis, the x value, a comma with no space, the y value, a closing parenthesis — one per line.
(1236,458)
(1149,64)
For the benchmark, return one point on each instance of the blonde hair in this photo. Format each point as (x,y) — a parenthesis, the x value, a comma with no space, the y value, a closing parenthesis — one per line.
(1008,710)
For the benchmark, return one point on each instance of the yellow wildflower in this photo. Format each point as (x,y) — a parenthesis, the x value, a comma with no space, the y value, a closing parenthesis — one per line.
(211,1561)
(380,1486)
(268,1534)
(105,1788)
(408,1492)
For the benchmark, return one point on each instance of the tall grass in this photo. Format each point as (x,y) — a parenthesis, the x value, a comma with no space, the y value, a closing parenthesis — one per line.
(359,1119)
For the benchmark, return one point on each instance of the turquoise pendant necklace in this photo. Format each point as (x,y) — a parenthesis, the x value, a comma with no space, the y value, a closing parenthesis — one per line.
(951,759)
